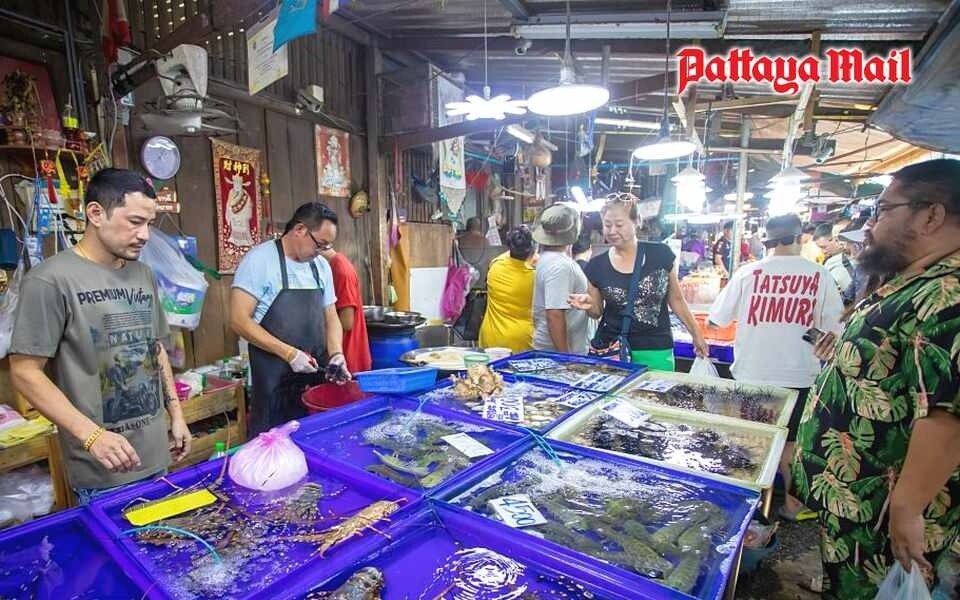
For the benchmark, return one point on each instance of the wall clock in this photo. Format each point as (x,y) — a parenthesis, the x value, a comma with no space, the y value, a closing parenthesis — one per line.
(160,157)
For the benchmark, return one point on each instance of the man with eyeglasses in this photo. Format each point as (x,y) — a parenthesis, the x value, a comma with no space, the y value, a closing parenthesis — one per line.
(283,302)
(879,439)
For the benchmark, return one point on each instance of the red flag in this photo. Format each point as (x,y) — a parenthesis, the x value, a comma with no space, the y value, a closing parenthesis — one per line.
(116,28)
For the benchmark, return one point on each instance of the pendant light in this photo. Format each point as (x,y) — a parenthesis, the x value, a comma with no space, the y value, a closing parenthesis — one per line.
(485,107)
(666,147)
(569,97)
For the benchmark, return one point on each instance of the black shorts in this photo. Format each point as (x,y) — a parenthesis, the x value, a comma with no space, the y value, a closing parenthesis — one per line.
(802,394)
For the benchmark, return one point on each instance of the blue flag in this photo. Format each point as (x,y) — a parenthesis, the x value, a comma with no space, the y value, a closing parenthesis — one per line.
(297,18)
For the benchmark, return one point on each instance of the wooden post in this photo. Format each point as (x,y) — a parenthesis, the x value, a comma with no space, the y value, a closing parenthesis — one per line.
(377,219)
(741,194)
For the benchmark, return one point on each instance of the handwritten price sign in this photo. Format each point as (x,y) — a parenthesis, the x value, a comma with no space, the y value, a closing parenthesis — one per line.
(517,511)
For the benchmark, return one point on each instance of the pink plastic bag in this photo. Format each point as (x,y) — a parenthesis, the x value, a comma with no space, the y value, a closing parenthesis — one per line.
(269,462)
(455,291)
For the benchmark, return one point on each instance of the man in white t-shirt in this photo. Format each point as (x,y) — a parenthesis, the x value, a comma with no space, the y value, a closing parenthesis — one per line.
(775,301)
(556,326)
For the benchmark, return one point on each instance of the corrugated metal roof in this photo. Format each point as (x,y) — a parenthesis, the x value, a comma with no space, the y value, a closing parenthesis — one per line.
(779,20)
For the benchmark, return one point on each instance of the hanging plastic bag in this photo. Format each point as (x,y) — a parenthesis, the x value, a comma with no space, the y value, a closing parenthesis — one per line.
(900,585)
(269,462)
(460,275)
(8,309)
(181,286)
(703,367)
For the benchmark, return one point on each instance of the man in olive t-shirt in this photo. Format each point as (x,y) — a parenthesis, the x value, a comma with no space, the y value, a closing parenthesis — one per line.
(93,313)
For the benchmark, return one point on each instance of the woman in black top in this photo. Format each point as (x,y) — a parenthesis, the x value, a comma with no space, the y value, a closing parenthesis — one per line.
(650,338)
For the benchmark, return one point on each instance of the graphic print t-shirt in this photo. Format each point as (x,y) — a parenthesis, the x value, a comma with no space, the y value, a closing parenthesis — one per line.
(650,317)
(100,327)
(774,302)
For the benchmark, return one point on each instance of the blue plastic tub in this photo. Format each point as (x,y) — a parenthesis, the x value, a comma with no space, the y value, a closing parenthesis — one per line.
(401,380)
(68,555)
(652,496)
(256,543)
(339,436)
(581,367)
(722,353)
(539,395)
(447,553)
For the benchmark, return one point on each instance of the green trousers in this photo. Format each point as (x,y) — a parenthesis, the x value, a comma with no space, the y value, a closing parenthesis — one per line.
(658,360)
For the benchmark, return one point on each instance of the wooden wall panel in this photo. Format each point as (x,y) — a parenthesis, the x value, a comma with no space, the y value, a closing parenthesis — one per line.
(303,164)
(278,162)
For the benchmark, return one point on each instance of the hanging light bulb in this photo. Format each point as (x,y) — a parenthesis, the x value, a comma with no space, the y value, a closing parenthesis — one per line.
(665,147)
(784,198)
(569,97)
(477,107)
(688,174)
(788,175)
(486,107)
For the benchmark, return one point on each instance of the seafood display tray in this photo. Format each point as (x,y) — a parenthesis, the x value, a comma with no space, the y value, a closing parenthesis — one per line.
(257,567)
(342,435)
(773,438)
(781,406)
(549,390)
(668,492)
(445,552)
(628,370)
(68,555)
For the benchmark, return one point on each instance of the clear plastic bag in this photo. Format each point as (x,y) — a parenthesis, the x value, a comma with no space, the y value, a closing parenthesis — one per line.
(25,494)
(269,462)
(181,286)
(8,308)
(900,585)
(703,367)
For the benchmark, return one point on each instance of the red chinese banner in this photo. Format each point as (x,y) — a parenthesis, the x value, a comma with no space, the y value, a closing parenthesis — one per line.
(236,172)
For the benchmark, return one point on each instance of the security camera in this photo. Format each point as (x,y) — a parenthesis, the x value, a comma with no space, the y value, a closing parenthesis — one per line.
(311,98)
(521,46)
(824,150)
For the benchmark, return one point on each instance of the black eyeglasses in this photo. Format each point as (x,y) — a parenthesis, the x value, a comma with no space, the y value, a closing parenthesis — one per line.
(321,246)
(877,211)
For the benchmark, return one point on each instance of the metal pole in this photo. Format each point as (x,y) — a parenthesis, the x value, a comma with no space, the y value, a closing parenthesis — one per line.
(741,192)
(73,68)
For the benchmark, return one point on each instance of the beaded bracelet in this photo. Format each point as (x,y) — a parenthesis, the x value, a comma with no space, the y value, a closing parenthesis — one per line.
(93,437)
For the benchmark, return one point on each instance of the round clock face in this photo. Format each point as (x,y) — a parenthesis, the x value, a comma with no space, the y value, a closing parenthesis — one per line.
(160,157)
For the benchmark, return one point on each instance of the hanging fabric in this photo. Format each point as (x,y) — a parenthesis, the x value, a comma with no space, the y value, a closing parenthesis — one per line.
(453,181)
(116,28)
(297,18)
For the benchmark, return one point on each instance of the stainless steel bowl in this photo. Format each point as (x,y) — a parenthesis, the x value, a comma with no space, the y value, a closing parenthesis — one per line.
(374,313)
(402,317)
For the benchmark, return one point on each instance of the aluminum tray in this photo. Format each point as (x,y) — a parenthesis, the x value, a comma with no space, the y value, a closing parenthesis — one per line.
(767,459)
(782,408)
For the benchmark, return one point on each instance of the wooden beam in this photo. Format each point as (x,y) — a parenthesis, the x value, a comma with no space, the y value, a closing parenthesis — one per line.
(377,193)
(423,137)
(192,31)
(639,87)
(742,103)
(808,126)
(517,8)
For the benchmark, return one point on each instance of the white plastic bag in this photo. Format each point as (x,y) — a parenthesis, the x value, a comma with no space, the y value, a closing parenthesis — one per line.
(181,286)
(8,309)
(269,462)
(703,367)
(900,585)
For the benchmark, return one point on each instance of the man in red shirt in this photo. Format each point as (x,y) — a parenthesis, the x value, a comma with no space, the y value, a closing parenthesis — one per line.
(356,345)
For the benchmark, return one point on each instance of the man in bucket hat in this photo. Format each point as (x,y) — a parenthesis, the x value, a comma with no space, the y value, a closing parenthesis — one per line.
(557,326)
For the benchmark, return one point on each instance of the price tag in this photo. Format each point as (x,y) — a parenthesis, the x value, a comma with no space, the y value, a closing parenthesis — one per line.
(467,445)
(659,386)
(600,382)
(527,365)
(517,511)
(577,398)
(626,413)
(503,409)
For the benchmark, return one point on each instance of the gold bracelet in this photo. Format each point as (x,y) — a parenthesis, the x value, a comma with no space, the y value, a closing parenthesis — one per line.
(92,438)
(291,354)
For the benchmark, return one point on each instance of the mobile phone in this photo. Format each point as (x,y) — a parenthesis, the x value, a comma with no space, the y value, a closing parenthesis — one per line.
(812,335)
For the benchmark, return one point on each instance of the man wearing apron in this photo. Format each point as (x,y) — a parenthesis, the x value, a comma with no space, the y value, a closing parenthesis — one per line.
(283,303)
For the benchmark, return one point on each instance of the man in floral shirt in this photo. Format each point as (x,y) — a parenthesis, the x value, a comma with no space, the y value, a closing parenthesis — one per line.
(879,440)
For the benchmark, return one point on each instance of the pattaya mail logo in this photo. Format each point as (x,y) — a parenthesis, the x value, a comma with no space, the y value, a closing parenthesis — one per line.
(786,74)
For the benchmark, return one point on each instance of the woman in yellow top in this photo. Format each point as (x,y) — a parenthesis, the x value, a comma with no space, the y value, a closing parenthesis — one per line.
(508,322)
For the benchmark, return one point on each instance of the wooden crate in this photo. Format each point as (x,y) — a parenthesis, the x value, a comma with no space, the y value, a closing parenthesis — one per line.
(27,453)
(208,404)
(203,445)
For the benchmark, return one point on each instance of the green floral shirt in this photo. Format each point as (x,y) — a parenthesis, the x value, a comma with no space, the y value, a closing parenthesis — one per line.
(898,356)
